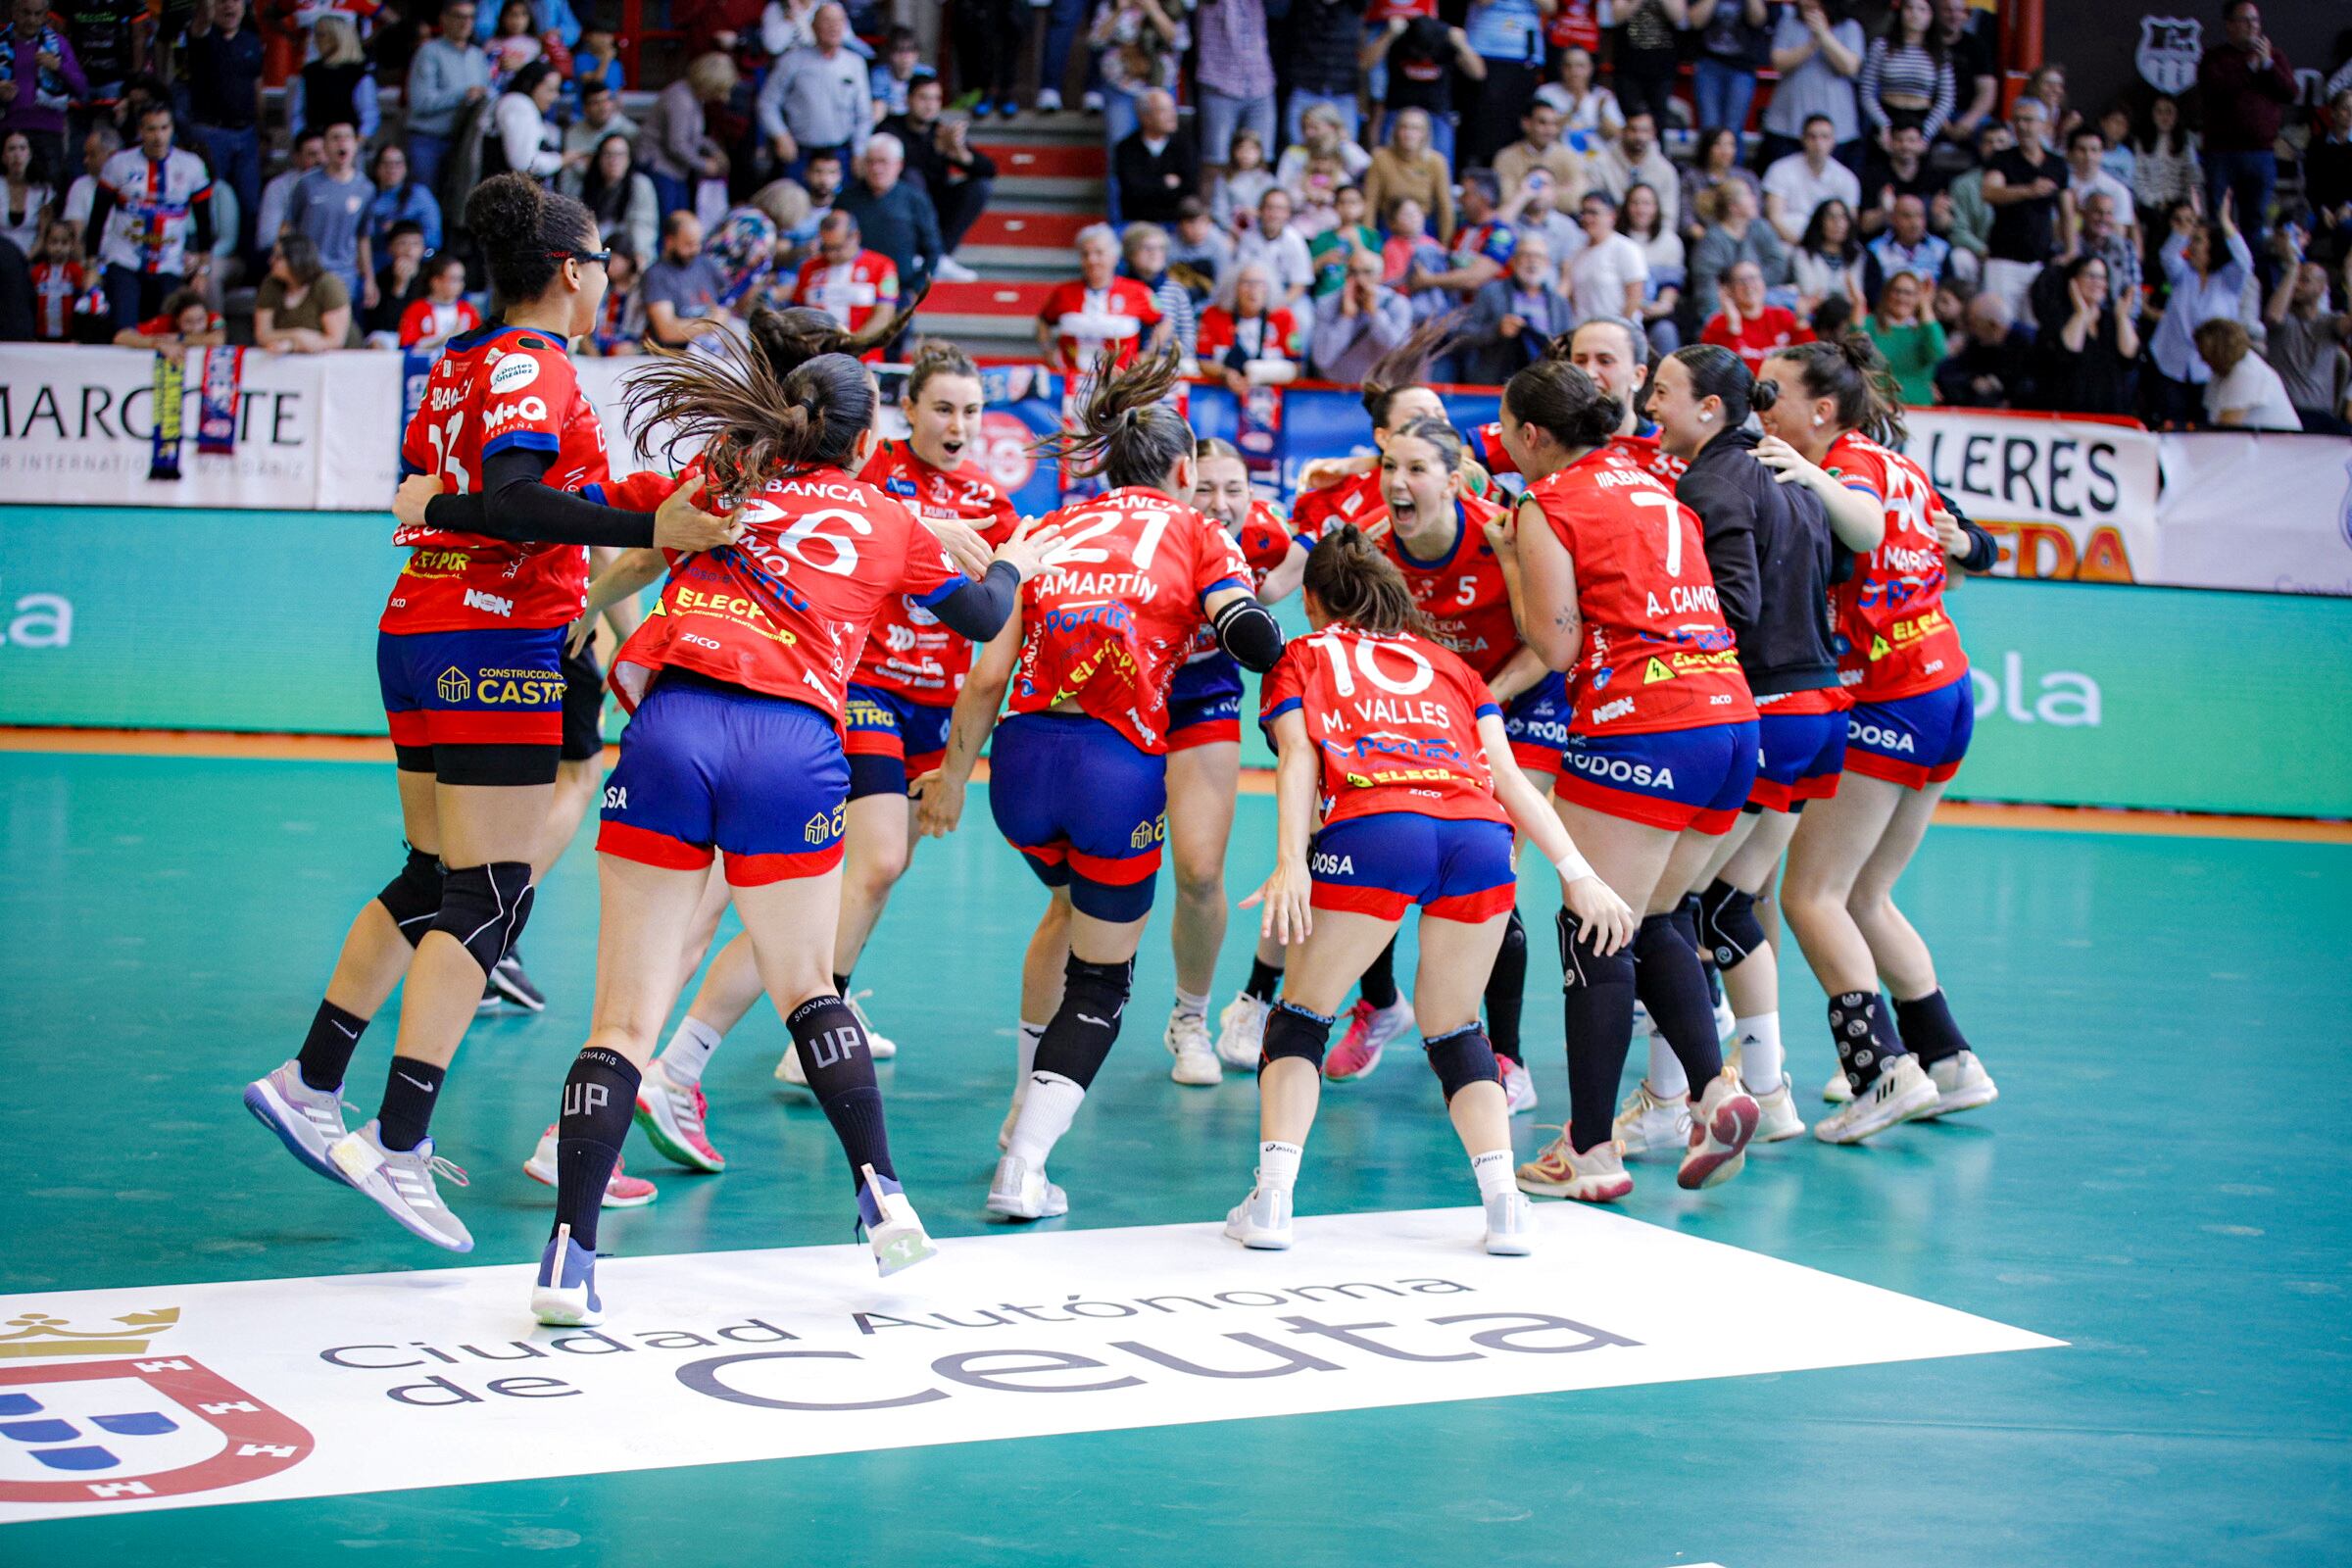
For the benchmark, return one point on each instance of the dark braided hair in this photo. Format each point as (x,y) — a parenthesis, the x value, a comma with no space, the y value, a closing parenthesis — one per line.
(1126,432)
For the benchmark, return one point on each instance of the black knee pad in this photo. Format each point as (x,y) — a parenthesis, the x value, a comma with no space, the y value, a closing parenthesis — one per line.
(485,907)
(1461,1059)
(1582,964)
(1103,986)
(1292,1031)
(1728,927)
(1514,943)
(413,896)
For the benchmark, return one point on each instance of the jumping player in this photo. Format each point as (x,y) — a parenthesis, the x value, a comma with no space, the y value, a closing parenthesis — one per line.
(1404,751)
(467,656)
(1610,579)
(1079,770)
(1833,427)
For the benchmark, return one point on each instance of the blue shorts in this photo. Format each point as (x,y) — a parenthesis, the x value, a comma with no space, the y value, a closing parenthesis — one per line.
(1803,755)
(708,767)
(892,738)
(1912,741)
(1673,779)
(1087,808)
(1537,720)
(1205,703)
(489,686)
(1384,863)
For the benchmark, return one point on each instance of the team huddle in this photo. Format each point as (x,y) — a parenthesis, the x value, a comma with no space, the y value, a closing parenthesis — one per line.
(1699,661)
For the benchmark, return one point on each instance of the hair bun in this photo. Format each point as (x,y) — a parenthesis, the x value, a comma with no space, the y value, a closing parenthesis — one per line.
(1762,394)
(506,205)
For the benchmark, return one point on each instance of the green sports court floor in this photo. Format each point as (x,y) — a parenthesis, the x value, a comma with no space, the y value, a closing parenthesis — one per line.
(2162,1188)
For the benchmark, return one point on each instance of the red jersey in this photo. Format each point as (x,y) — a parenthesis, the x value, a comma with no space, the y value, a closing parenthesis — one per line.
(1085,322)
(908,650)
(1760,336)
(1893,638)
(509,387)
(851,293)
(1258,337)
(1394,721)
(1462,591)
(784,610)
(1355,498)
(1644,448)
(55,286)
(1112,615)
(168,325)
(1656,654)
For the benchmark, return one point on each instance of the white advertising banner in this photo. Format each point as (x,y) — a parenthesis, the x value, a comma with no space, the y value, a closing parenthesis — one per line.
(2268,512)
(2066,498)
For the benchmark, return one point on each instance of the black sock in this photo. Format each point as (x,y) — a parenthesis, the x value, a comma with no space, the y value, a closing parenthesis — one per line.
(1599,1020)
(411,1090)
(1265,980)
(1865,1043)
(1507,989)
(839,1065)
(1928,1028)
(1379,984)
(600,1096)
(326,1054)
(1666,977)
(841,985)
(1087,1024)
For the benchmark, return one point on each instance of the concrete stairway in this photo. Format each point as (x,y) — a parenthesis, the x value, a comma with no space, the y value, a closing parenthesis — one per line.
(1049,184)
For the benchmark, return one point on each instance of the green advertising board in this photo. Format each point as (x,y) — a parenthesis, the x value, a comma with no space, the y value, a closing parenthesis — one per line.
(2086,694)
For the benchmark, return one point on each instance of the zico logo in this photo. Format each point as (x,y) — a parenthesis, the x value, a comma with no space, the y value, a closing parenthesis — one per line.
(509,413)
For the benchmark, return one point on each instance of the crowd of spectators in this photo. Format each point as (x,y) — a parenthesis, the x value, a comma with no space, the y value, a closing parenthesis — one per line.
(1291,186)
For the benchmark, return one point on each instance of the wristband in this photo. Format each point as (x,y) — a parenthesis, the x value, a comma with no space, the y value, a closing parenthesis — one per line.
(1572,867)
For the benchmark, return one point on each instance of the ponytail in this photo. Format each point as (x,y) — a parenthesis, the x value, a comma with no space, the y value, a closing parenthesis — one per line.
(1125,431)
(793,336)
(1407,364)
(1358,585)
(1849,372)
(752,422)
(1555,396)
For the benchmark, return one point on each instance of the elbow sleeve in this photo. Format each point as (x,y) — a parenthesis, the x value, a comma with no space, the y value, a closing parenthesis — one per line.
(1249,633)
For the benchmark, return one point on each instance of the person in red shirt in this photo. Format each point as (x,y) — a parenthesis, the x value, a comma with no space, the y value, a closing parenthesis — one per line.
(1079,769)
(444,312)
(1098,315)
(845,280)
(184,322)
(1746,326)
(59,280)
(1610,578)
(467,658)
(1833,427)
(1234,337)
(1399,748)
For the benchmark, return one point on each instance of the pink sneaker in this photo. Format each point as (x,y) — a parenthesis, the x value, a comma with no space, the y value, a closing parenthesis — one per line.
(674,1119)
(623,1190)
(1369,1031)
(1720,1124)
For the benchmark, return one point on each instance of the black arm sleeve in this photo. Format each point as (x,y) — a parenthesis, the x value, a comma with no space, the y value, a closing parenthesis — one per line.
(1246,631)
(514,503)
(979,609)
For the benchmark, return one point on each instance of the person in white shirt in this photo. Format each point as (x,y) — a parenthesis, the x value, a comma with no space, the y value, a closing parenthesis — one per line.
(1277,246)
(527,141)
(102,143)
(2245,393)
(1610,274)
(1796,184)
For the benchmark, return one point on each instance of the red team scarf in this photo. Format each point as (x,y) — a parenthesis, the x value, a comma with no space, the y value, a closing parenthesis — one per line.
(217,418)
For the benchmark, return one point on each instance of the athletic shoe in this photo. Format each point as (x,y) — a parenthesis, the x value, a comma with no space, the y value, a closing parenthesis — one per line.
(1840,1090)
(492,999)
(308,1121)
(509,982)
(1961,1084)
(1242,1032)
(878,1044)
(1019,1192)
(891,1226)
(674,1118)
(1049,102)
(1092,103)
(1718,1133)
(789,1069)
(1369,1031)
(1518,1086)
(1896,1095)
(1187,1040)
(1004,1132)
(564,1296)
(1263,1220)
(1559,1171)
(1776,1119)
(621,1190)
(1647,1124)
(950,271)
(402,1182)
(1511,1225)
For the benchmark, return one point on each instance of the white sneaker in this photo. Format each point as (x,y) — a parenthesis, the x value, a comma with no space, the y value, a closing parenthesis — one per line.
(1021,1193)
(1187,1040)
(878,1044)
(1961,1084)
(1004,1132)
(1559,1171)
(1777,1118)
(402,1182)
(1838,1090)
(1263,1220)
(789,1069)
(1242,1032)
(1049,101)
(950,271)
(892,1227)
(1896,1095)
(1647,1124)
(1518,1086)
(1511,1225)
(621,1190)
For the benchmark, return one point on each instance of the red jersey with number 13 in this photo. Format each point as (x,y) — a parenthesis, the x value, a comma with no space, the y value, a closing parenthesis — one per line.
(1656,654)
(1893,638)
(908,650)
(509,386)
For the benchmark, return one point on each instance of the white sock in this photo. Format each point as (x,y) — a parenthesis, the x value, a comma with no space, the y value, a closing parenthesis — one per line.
(1492,1170)
(1189,1005)
(1278,1165)
(1045,1116)
(1025,1058)
(1760,1053)
(689,1051)
(1666,1080)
